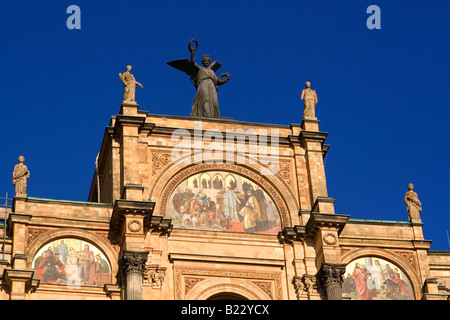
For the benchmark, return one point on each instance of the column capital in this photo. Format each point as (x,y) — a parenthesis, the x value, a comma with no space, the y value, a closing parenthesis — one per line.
(133,262)
(330,277)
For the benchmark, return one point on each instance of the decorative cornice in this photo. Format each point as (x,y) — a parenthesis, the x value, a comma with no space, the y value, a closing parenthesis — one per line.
(313,136)
(137,208)
(159,224)
(11,275)
(325,220)
(289,234)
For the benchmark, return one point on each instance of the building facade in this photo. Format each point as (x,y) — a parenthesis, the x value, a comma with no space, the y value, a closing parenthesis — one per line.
(185,208)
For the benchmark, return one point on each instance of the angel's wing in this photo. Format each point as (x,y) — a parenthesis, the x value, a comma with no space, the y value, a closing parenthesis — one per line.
(215,65)
(186,66)
(121,76)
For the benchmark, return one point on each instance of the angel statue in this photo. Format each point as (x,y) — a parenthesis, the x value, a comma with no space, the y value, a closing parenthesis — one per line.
(205,81)
(129,83)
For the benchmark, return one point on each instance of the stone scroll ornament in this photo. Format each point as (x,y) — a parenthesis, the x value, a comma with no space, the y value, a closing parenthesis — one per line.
(205,81)
(20,177)
(129,86)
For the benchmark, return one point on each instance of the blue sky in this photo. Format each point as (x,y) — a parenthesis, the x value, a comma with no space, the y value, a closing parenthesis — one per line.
(383,94)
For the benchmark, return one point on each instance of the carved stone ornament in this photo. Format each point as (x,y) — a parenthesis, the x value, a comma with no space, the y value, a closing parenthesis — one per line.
(330,277)
(331,274)
(190,282)
(154,276)
(135,226)
(330,239)
(133,262)
(159,161)
(305,285)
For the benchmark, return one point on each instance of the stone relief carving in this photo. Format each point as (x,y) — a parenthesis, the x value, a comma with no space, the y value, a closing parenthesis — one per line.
(190,282)
(135,226)
(264,286)
(305,285)
(154,276)
(33,233)
(330,239)
(251,276)
(159,161)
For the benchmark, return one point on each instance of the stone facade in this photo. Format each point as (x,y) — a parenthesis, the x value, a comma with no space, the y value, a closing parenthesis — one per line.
(127,219)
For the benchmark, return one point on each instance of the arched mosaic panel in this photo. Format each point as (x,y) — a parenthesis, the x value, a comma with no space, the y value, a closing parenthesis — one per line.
(373,278)
(73,262)
(222,201)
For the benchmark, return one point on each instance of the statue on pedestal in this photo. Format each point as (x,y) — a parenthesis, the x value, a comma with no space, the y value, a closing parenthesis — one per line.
(309,98)
(205,81)
(129,83)
(20,176)
(413,205)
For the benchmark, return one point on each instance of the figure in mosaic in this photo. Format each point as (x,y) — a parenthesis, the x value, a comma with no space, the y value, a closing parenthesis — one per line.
(205,81)
(20,177)
(129,83)
(309,98)
(413,205)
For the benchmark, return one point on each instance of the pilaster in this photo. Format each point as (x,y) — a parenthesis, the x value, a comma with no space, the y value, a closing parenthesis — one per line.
(325,229)
(126,129)
(313,144)
(19,283)
(18,225)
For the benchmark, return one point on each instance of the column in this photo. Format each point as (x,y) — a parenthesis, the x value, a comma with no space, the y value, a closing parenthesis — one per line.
(132,268)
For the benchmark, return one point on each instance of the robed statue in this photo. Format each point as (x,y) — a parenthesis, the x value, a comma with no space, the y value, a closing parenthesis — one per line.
(129,85)
(309,97)
(413,205)
(20,177)
(205,82)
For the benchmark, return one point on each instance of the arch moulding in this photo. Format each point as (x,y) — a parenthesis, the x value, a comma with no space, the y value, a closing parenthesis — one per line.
(410,272)
(84,235)
(206,289)
(273,185)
